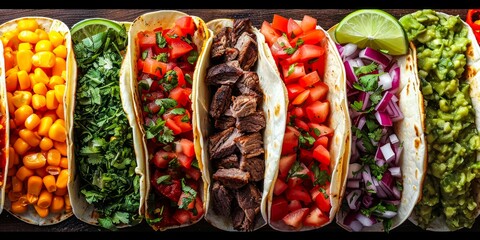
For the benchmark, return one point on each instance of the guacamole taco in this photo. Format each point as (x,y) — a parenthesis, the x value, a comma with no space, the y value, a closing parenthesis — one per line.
(309,176)
(386,166)
(36,55)
(450,198)
(4,133)
(241,117)
(165,50)
(107,180)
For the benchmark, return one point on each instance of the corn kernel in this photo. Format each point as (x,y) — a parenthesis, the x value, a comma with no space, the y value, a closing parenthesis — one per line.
(42,35)
(39,102)
(43,59)
(25,46)
(60,51)
(56,38)
(40,88)
(52,102)
(55,80)
(23,79)
(46,144)
(21,98)
(32,121)
(27,24)
(60,65)
(22,113)
(41,76)
(28,36)
(43,45)
(45,124)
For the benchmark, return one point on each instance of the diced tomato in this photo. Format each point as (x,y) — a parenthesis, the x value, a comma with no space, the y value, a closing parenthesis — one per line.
(193,172)
(180,77)
(293,90)
(184,160)
(140,64)
(172,190)
(154,67)
(186,24)
(178,94)
(292,72)
(179,48)
(290,142)
(279,187)
(184,197)
(293,29)
(308,23)
(310,51)
(301,97)
(321,154)
(298,112)
(323,140)
(173,126)
(318,112)
(294,205)
(298,193)
(185,126)
(153,107)
(182,216)
(280,23)
(278,209)
(187,147)
(146,39)
(318,92)
(316,218)
(294,182)
(269,32)
(305,156)
(285,164)
(318,65)
(162,158)
(295,218)
(309,79)
(279,46)
(301,124)
(322,202)
(199,210)
(321,129)
(310,37)
(291,59)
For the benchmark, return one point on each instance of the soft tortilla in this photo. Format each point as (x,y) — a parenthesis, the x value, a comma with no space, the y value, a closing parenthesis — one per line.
(473,77)
(338,120)
(82,210)
(150,21)
(47,24)
(274,107)
(4,115)
(410,132)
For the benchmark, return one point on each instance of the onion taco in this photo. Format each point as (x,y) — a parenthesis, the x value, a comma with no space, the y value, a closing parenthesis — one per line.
(36,54)
(241,117)
(108,171)
(165,49)
(448,72)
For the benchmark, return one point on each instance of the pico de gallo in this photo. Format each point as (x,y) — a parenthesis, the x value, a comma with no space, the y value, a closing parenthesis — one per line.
(165,70)
(301,190)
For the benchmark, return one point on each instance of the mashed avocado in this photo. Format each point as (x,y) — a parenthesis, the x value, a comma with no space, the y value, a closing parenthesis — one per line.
(450,132)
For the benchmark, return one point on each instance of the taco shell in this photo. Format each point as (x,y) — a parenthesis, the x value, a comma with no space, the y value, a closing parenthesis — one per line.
(4,126)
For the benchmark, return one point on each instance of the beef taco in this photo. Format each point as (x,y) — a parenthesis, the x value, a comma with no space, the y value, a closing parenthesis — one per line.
(387,161)
(107,180)
(37,52)
(4,133)
(241,117)
(448,72)
(165,50)
(309,176)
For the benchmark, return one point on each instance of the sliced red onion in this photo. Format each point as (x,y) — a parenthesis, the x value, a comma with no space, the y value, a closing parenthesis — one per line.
(365,98)
(376,56)
(367,200)
(339,48)
(386,214)
(394,202)
(360,63)
(351,221)
(352,199)
(354,152)
(381,162)
(378,155)
(383,119)
(354,171)
(373,142)
(382,105)
(379,191)
(387,152)
(360,146)
(348,50)
(398,153)
(393,138)
(366,221)
(394,111)
(395,171)
(353,184)
(349,71)
(394,73)
(368,179)
(396,192)
(361,122)
(356,226)
(394,98)
(385,81)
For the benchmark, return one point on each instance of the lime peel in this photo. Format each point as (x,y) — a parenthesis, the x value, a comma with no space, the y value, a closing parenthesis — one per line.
(92,26)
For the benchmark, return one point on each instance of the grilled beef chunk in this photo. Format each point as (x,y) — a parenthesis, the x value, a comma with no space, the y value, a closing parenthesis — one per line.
(227,162)
(224,73)
(225,122)
(220,43)
(222,144)
(237,216)
(249,197)
(251,123)
(233,178)
(249,84)
(255,166)
(239,27)
(221,101)
(248,51)
(250,145)
(231,54)
(222,199)
(243,106)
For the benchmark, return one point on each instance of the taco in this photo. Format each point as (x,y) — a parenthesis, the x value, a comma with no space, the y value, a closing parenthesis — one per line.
(241,117)
(36,53)
(449,82)
(387,161)
(309,176)
(4,133)
(107,180)
(165,50)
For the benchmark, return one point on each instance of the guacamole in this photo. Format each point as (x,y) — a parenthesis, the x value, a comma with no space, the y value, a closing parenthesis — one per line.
(450,132)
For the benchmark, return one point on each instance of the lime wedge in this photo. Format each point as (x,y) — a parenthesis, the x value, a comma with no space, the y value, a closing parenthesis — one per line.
(90,27)
(373,28)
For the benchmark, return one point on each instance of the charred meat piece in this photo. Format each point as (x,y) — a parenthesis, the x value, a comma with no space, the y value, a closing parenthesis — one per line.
(222,199)
(224,73)
(220,43)
(251,123)
(222,144)
(227,162)
(250,145)
(238,215)
(221,101)
(249,197)
(249,84)
(243,106)
(248,51)
(233,178)
(240,26)
(225,122)
(255,166)
(231,54)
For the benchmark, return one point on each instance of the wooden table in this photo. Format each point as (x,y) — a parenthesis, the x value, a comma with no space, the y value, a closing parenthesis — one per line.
(326,19)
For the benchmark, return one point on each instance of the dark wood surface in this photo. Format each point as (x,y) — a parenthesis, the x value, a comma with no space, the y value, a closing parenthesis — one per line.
(326,19)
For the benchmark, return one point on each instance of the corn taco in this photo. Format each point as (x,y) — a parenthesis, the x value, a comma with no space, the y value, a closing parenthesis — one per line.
(448,72)
(107,180)
(306,190)
(165,48)
(241,117)
(386,166)
(4,133)
(36,55)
